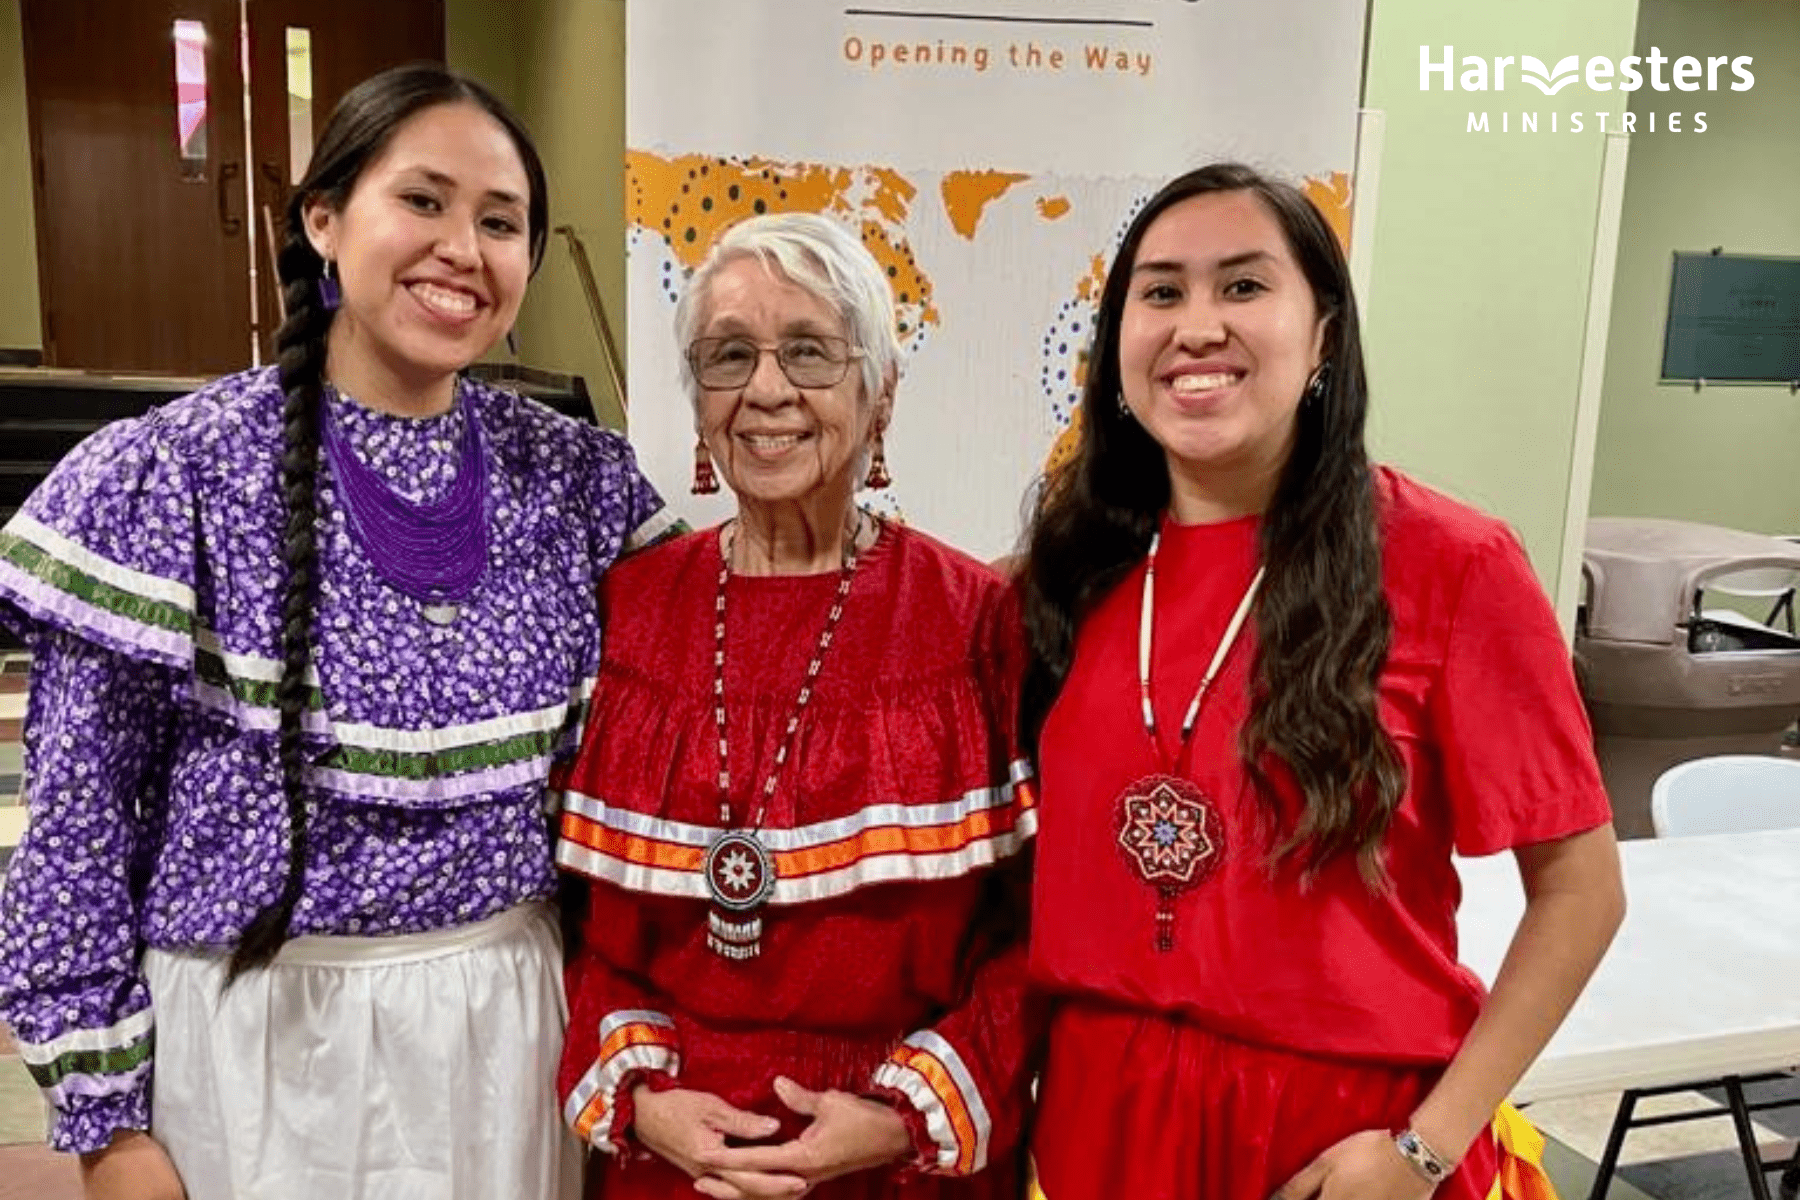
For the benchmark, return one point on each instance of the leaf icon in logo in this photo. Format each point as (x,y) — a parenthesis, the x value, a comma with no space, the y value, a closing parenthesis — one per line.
(1532,71)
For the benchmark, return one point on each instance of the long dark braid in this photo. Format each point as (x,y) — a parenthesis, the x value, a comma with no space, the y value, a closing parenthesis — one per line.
(300,348)
(359,129)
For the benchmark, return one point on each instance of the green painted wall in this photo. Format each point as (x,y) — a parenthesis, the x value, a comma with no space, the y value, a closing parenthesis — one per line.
(561,63)
(572,94)
(481,40)
(1727,455)
(1478,299)
(21,326)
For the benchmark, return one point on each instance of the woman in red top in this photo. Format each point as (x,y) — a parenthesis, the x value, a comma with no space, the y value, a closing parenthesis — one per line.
(1274,689)
(800,798)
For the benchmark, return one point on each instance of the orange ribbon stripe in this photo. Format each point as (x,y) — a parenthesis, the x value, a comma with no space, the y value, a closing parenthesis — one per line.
(629,847)
(948,1094)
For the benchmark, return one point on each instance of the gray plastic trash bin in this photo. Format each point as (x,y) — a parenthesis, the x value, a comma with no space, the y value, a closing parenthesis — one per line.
(1668,671)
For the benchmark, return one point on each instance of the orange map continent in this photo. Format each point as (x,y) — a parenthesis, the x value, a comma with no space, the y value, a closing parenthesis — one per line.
(968,193)
(1332,198)
(689,199)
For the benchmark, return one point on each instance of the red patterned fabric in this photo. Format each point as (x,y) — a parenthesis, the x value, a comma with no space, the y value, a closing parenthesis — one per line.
(1480,699)
(893,960)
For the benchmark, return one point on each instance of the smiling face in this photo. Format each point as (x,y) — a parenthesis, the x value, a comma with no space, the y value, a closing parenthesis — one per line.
(432,253)
(1217,338)
(774,442)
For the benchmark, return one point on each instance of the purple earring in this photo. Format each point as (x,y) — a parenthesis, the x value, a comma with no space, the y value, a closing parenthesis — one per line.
(329,295)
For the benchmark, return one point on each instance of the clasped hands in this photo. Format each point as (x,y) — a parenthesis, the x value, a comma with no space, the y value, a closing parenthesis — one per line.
(688,1128)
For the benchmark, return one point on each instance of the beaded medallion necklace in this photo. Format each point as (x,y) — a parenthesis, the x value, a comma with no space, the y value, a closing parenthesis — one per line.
(1169,831)
(740,871)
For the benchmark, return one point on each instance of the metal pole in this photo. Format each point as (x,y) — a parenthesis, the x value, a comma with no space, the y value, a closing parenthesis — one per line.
(610,349)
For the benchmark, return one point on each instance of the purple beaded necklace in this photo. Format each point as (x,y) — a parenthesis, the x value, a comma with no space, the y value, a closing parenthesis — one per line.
(436,552)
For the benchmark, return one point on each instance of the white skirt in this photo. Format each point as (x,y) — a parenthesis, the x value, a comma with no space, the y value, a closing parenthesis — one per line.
(369,1068)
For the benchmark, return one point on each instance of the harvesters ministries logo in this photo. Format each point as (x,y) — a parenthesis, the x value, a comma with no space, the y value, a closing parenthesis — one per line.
(1686,73)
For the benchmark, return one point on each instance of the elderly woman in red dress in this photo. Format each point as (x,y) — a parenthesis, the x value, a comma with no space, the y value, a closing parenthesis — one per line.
(800,799)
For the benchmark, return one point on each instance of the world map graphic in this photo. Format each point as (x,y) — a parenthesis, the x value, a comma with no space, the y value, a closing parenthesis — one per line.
(677,204)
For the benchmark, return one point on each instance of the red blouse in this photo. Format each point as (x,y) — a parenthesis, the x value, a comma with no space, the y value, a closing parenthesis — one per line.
(892,956)
(1479,697)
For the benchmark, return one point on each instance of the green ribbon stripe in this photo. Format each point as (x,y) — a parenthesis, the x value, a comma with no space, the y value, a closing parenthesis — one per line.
(117,1061)
(387,764)
(433,764)
(211,668)
(53,572)
(257,693)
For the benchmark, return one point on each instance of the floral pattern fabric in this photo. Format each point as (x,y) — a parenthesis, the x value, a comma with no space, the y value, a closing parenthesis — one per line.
(146,574)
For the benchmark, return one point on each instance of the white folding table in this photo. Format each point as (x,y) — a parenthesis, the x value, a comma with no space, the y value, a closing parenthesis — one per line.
(1702,982)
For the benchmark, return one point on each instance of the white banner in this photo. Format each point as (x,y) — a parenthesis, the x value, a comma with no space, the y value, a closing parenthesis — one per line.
(990,153)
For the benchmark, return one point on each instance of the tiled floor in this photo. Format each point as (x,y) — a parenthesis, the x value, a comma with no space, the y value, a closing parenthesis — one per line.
(28,1170)
(13,671)
(1693,1160)
(21,1107)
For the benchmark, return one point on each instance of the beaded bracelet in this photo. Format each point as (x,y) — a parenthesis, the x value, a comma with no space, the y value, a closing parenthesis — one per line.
(1430,1165)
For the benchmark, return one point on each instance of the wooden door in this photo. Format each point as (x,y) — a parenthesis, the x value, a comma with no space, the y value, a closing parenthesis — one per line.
(143,252)
(146,226)
(304,55)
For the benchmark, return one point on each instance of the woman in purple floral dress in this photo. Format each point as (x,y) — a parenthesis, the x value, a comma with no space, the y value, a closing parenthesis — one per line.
(304,645)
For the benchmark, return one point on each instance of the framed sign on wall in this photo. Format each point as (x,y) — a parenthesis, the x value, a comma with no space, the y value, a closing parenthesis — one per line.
(1733,318)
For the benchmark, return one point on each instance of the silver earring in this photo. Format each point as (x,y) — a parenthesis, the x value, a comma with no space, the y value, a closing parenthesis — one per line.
(1124,408)
(1315,384)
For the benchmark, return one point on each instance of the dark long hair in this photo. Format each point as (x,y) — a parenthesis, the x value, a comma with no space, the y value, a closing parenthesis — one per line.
(1322,622)
(359,130)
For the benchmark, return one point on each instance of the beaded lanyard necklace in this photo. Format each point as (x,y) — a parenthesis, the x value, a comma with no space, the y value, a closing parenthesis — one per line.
(740,872)
(1169,831)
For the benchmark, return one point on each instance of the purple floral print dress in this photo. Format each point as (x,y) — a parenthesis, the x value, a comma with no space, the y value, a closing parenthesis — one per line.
(145,575)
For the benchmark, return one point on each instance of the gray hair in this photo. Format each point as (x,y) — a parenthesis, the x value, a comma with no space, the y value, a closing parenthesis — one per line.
(819,255)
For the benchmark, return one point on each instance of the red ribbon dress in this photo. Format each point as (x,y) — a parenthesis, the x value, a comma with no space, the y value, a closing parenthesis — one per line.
(892,957)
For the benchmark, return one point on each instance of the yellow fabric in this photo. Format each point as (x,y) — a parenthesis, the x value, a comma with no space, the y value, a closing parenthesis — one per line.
(1032,1190)
(1521,1175)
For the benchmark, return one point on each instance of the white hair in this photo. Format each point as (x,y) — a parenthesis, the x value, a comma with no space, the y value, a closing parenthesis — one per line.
(819,255)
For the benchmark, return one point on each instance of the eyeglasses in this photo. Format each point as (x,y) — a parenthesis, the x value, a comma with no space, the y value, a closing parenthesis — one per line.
(808,361)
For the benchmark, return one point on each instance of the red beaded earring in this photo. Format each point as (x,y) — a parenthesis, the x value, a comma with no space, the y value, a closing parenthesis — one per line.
(706,480)
(878,477)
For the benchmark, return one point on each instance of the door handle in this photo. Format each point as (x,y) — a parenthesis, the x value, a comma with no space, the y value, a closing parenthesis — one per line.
(230,224)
